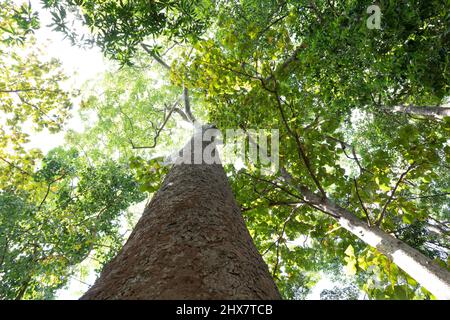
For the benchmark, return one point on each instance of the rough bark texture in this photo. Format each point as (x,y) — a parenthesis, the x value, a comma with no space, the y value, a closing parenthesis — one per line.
(191,243)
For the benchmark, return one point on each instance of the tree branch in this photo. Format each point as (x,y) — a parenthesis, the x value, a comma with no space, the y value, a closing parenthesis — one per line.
(182,114)
(383,212)
(362,204)
(28,90)
(300,147)
(15,167)
(345,145)
(434,111)
(187,105)
(158,130)
(155,56)
(48,191)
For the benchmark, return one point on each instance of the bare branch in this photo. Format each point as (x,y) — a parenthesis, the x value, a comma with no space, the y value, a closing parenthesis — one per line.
(158,130)
(28,90)
(273,204)
(182,114)
(300,148)
(277,242)
(187,106)
(433,111)
(280,234)
(275,185)
(48,191)
(427,196)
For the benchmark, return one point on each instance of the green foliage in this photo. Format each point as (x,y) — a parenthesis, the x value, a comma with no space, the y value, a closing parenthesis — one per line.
(31,92)
(71,213)
(124,109)
(58,209)
(17,22)
(149,174)
(330,83)
(119,27)
(311,69)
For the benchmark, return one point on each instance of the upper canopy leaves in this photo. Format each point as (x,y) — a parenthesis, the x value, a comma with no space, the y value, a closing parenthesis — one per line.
(331,85)
(119,27)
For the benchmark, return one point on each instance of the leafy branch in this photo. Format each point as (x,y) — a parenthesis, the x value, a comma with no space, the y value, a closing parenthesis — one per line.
(391,197)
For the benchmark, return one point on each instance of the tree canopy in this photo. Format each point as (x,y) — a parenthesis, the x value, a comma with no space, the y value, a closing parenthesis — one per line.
(58,208)
(362,116)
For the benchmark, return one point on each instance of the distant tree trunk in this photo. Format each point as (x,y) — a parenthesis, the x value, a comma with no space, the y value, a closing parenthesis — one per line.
(191,243)
(424,111)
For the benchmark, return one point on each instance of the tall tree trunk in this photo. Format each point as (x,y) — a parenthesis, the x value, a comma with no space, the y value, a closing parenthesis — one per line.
(413,262)
(190,243)
(424,111)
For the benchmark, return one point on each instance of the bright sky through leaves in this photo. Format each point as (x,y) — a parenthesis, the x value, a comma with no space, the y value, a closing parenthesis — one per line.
(362,115)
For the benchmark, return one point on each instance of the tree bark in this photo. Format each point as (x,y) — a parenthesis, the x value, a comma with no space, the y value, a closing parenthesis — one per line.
(190,243)
(424,111)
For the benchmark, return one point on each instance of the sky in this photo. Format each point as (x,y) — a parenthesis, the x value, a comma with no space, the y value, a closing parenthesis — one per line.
(82,65)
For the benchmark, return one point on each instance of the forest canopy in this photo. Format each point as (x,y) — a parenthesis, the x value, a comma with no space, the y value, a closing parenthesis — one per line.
(363,115)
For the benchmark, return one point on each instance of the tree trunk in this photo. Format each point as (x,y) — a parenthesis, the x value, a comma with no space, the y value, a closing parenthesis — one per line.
(190,243)
(424,111)
(417,265)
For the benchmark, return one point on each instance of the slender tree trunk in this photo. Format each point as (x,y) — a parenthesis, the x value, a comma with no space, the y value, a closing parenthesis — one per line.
(417,265)
(424,111)
(191,243)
